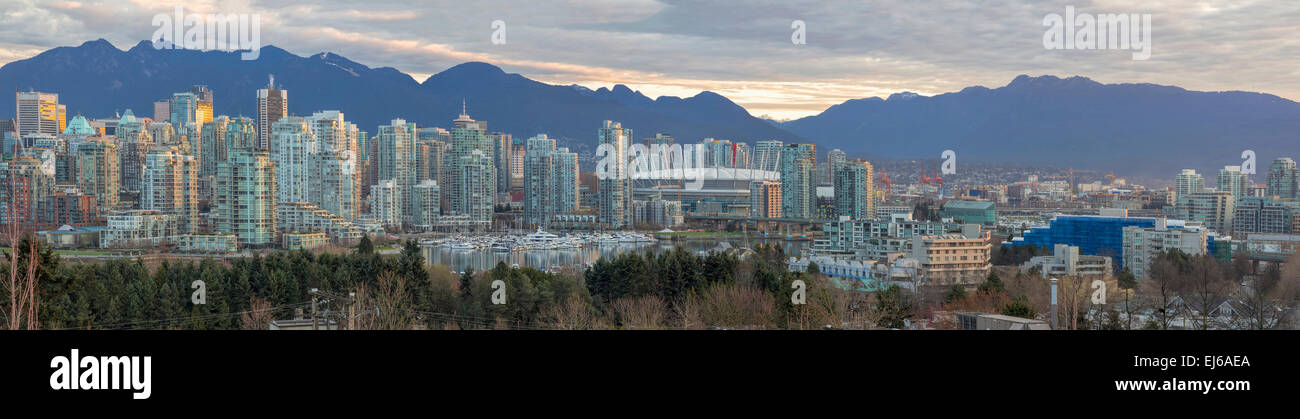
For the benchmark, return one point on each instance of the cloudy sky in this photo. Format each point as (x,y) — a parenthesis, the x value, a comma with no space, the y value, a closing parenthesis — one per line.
(742,50)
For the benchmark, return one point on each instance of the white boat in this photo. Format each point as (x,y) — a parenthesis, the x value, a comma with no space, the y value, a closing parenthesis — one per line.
(540,238)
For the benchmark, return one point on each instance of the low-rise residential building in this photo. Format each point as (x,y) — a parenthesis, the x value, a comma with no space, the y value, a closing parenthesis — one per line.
(1066,261)
(72,237)
(208,243)
(306,217)
(953,258)
(139,228)
(295,241)
(1143,245)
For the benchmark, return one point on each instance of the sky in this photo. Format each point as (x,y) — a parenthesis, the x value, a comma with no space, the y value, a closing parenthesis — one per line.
(740,49)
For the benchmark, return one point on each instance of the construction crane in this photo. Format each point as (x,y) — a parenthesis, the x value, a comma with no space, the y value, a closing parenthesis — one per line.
(885,181)
(927,180)
(1074,189)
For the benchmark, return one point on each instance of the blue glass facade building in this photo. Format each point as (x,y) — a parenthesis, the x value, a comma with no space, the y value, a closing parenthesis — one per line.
(1095,235)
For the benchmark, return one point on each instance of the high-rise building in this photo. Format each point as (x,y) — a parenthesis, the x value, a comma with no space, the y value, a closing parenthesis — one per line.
(833,160)
(202,106)
(616,188)
(1233,181)
(133,143)
(295,148)
(395,161)
(384,203)
(212,150)
(473,172)
(241,134)
(97,171)
(854,189)
(426,205)
(765,199)
(244,197)
(162,110)
(170,185)
(798,180)
(335,185)
(38,112)
(25,191)
(1188,182)
(767,155)
(550,181)
(1213,209)
(272,104)
(1283,179)
(184,108)
(502,151)
(518,149)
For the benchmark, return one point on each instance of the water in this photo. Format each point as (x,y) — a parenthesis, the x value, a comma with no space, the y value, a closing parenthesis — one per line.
(481,259)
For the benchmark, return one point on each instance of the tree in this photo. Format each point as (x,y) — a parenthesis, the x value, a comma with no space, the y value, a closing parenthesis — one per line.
(258,316)
(892,308)
(1018,308)
(1162,284)
(992,283)
(957,292)
(1206,286)
(1127,283)
(364,246)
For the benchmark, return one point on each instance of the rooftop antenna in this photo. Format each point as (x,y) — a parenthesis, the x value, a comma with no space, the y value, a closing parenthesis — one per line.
(270,84)
(462,107)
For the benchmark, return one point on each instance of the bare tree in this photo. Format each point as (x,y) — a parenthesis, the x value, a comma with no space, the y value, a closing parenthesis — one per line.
(22,287)
(573,314)
(1161,285)
(736,306)
(258,316)
(391,301)
(640,312)
(1205,286)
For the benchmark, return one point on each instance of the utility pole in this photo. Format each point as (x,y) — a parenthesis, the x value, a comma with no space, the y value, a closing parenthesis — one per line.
(313,309)
(1053,312)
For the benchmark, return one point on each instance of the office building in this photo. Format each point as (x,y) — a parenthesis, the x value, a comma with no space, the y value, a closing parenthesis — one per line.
(38,112)
(272,104)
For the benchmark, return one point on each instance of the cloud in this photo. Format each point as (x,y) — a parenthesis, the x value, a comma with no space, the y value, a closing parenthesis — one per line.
(740,50)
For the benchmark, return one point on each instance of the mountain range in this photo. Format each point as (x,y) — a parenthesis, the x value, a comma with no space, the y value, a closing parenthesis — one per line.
(97,79)
(1132,129)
